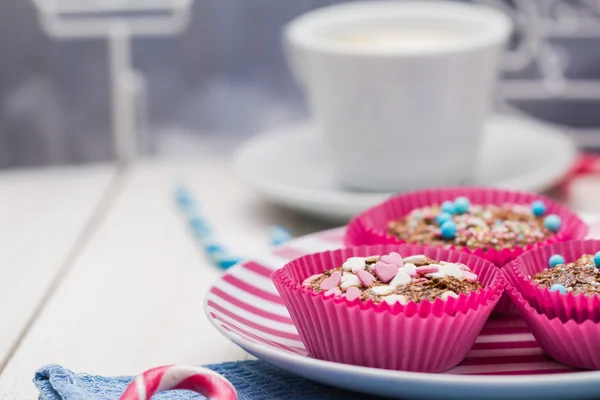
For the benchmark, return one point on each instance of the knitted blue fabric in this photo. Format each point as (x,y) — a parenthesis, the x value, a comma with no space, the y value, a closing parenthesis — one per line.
(253,380)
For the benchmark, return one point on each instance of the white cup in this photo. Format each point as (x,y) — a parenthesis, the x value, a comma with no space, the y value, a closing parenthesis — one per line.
(400,89)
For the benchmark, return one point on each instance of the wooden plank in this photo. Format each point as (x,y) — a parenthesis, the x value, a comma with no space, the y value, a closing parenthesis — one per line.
(133,299)
(43,214)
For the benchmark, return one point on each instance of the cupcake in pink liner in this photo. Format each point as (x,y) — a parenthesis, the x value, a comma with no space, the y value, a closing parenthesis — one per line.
(561,280)
(390,306)
(572,343)
(498,225)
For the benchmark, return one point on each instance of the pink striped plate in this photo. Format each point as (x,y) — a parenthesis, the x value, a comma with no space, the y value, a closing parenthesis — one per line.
(505,361)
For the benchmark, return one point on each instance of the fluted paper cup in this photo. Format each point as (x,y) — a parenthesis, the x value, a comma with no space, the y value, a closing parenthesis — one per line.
(572,343)
(569,306)
(425,336)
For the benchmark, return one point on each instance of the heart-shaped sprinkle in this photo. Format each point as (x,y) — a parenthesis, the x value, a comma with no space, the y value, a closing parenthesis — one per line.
(308,281)
(354,263)
(334,292)
(401,278)
(427,269)
(383,290)
(385,272)
(395,298)
(453,270)
(394,259)
(468,275)
(447,294)
(349,281)
(416,259)
(352,293)
(332,281)
(366,279)
(410,269)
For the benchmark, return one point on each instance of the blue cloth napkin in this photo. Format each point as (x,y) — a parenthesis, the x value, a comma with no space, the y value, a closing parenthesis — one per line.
(253,380)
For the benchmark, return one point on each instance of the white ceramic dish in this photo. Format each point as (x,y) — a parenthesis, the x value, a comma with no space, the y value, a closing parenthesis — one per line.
(505,362)
(290,168)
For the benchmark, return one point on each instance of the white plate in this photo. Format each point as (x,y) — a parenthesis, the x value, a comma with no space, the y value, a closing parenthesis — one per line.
(245,307)
(289,166)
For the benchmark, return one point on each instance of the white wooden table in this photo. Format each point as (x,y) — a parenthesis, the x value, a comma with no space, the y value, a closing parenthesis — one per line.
(99,272)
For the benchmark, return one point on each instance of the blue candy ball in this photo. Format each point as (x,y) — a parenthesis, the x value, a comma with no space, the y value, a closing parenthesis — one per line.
(462,205)
(556,260)
(448,230)
(597,259)
(557,287)
(443,217)
(552,222)
(538,208)
(448,207)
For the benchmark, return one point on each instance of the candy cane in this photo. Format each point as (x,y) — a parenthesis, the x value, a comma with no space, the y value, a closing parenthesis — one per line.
(173,377)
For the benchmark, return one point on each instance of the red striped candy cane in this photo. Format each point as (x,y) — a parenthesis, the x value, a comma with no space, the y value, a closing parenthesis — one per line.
(172,377)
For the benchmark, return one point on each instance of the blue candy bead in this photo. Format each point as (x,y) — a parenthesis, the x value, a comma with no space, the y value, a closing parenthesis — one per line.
(557,287)
(448,230)
(552,222)
(597,259)
(462,205)
(279,235)
(200,227)
(556,260)
(538,208)
(443,217)
(448,207)
(215,249)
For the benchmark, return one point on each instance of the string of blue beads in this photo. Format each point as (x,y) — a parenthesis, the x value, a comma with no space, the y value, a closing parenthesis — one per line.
(216,251)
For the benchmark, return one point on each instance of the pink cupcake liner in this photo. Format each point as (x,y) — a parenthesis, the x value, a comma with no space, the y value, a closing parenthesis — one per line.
(383,336)
(571,343)
(555,305)
(370,227)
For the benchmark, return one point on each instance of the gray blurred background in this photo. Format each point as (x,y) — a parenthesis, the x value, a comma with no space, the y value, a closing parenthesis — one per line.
(224,78)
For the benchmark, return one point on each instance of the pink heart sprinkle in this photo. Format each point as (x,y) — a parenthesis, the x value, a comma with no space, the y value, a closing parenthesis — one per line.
(365,278)
(353,292)
(394,259)
(332,281)
(385,272)
(426,269)
(334,291)
(471,277)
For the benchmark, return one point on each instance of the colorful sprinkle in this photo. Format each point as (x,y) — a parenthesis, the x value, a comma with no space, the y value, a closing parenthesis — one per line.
(553,222)
(597,259)
(352,293)
(538,208)
(443,217)
(448,207)
(462,205)
(332,281)
(557,287)
(555,260)
(366,279)
(394,259)
(385,272)
(448,230)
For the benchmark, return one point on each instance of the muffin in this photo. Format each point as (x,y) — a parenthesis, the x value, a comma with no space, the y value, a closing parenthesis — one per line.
(562,280)
(353,305)
(497,225)
(393,279)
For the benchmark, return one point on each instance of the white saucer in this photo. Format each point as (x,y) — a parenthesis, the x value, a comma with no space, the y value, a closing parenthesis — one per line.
(290,168)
